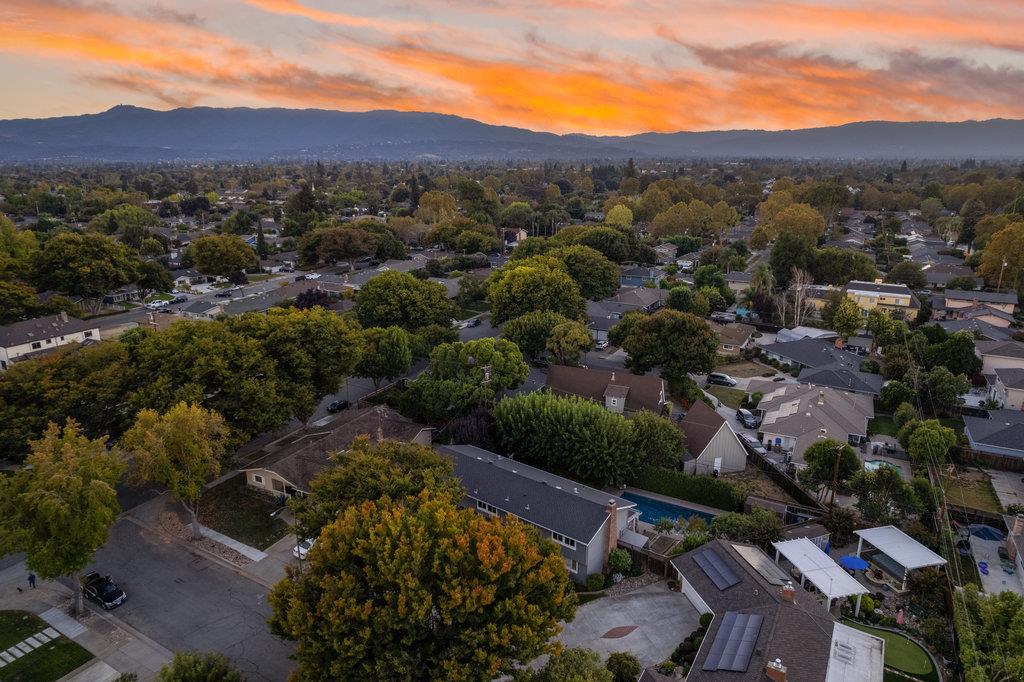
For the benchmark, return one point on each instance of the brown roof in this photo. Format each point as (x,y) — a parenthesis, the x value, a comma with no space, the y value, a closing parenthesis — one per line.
(700,425)
(733,334)
(644,392)
(309,454)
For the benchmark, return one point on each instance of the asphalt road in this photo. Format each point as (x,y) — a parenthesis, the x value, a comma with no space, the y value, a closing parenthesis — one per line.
(186,602)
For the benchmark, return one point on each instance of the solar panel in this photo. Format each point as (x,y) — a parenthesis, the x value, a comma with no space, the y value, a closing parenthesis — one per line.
(715,567)
(734,642)
(759,561)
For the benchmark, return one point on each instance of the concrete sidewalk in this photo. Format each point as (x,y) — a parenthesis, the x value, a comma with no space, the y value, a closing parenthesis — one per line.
(115,644)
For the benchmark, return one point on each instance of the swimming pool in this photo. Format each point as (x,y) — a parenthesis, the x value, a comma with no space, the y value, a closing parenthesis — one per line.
(876,464)
(652,510)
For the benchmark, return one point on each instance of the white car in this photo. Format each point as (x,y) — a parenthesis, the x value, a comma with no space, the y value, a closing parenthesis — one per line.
(313,275)
(302,549)
(156,305)
(601,345)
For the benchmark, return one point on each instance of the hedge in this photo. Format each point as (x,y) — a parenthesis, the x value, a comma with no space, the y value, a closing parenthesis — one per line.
(706,490)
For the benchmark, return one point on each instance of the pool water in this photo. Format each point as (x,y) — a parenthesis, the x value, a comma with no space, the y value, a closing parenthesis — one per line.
(876,464)
(653,510)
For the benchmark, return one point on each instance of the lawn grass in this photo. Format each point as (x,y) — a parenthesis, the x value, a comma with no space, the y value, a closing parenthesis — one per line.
(159,296)
(47,663)
(241,513)
(902,653)
(882,425)
(971,488)
(260,277)
(730,397)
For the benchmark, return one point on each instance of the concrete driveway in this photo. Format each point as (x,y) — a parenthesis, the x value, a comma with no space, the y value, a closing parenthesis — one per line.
(649,623)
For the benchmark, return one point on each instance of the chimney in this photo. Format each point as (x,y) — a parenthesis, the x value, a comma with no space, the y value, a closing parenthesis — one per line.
(1018,525)
(612,380)
(839,343)
(63,316)
(380,434)
(775,670)
(821,397)
(613,530)
(788,593)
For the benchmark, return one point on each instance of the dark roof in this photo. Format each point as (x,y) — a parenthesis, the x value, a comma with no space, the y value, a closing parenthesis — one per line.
(645,392)
(738,276)
(734,333)
(700,425)
(986,329)
(1003,429)
(879,288)
(1011,377)
(799,633)
(815,353)
(309,454)
(1002,349)
(981,296)
(535,495)
(42,328)
(842,379)
(640,271)
(808,530)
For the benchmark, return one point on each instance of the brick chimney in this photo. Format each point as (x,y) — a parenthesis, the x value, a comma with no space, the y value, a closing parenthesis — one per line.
(788,593)
(775,670)
(839,343)
(613,529)
(1018,525)
(63,316)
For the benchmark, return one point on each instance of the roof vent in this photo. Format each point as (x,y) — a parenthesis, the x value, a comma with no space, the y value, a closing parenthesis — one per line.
(576,490)
(527,507)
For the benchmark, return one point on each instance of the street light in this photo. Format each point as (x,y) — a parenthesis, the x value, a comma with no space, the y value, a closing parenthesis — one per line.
(999,285)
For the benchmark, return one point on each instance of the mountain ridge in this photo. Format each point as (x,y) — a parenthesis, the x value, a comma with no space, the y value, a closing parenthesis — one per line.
(127,133)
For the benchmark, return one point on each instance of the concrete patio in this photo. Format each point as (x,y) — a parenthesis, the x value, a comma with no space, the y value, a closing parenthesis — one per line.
(997,580)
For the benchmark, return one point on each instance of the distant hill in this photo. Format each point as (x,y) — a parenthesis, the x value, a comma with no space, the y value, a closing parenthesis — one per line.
(127,133)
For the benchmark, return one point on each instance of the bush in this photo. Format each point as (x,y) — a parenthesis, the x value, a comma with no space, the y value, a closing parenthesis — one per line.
(867,605)
(705,619)
(623,666)
(664,524)
(870,366)
(619,561)
(595,582)
(1015,509)
(666,667)
(713,492)
(903,414)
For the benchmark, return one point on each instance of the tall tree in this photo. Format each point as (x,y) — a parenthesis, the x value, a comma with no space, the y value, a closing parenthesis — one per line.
(89,265)
(395,298)
(496,363)
(222,255)
(387,354)
(401,574)
(823,471)
(181,449)
(596,276)
(568,341)
(680,343)
(58,510)
(531,331)
(847,319)
(883,497)
(524,286)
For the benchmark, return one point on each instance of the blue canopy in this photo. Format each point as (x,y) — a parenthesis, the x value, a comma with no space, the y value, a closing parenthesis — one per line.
(986,532)
(854,563)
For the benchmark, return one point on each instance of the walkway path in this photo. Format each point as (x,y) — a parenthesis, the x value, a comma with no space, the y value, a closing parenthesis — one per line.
(27,645)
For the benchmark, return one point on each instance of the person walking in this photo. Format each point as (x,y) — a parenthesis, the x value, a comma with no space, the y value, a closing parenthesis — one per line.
(32,580)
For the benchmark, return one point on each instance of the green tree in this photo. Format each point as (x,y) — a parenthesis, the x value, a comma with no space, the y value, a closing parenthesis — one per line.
(956,354)
(123,218)
(517,215)
(620,216)
(387,354)
(883,497)
(181,449)
(530,332)
(623,666)
(942,389)
(885,331)
(680,343)
(58,509)
(344,244)
(823,472)
(153,276)
(570,665)
(596,276)
(199,667)
(680,298)
(659,441)
(89,265)
(895,393)
(222,255)
(369,471)
(847,320)
(413,561)
(790,251)
(17,302)
(568,341)
(907,272)
(523,286)
(18,250)
(395,298)
(758,527)
(496,363)
(930,442)
(904,413)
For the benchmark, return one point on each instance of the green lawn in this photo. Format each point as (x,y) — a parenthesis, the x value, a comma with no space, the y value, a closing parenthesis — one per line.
(902,653)
(971,488)
(48,663)
(241,513)
(260,277)
(159,296)
(882,425)
(730,397)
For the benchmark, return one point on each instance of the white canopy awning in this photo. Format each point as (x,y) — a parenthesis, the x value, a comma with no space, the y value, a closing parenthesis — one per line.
(903,549)
(829,577)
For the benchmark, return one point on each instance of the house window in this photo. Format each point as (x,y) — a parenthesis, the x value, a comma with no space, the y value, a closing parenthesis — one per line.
(256,478)
(49,342)
(88,333)
(62,338)
(726,346)
(572,565)
(36,344)
(486,508)
(278,485)
(562,540)
(614,401)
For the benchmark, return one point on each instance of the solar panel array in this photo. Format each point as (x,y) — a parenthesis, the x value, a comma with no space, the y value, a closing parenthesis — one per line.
(760,562)
(734,642)
(715,567)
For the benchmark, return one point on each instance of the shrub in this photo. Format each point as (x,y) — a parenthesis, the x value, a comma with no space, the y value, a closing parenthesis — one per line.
(903,414)
(595,582)
(694,540)
(664,524)
(870,366)
(755,398)
(666,667)
(867,605)
(619,561)
(623,666)
(1015,509)
(713,492)
(705,619)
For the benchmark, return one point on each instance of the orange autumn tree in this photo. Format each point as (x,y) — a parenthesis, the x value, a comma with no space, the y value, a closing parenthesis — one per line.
(422,590)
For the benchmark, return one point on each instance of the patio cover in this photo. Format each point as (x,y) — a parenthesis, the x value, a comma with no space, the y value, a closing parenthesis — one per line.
(900,547)
(632,538)
(814,565)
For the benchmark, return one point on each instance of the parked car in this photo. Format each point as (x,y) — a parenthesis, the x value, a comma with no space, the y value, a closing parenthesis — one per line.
(602,344)
(542,363)
(313,275)
(224,294)
(475,322)
(752,443)
(181,298)
(747,418)
(721,379)
(779,378)
(723,317)
(103,591)
(156,305)
(300,278)
(338,406)
(302,549)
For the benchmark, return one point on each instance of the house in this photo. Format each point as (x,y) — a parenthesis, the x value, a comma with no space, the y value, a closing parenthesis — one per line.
(765,628)
(511,236)
(824,362)
(898,299)
(289,470)
(738,281)
(688,261)
(586,524)
(1006,387)
(732,338)
(992,307)
(202,310)
(980,328)
(640,276)
(796,333)
(604,314)
(31,338)
(640,298)
(621,392)
(666,253)
(185,278)
(999,354)
(125,294)
(817,296)
(938,274)
(1001,435)
(712,444)
(794,416)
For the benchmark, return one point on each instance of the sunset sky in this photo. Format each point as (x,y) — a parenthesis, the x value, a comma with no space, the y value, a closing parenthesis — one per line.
(612,67)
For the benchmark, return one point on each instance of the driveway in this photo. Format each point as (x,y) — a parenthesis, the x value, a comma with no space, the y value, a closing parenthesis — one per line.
(649,623)
(1009,486)
(187,602)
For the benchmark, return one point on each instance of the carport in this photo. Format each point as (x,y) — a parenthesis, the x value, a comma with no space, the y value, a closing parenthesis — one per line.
(827,576)
(898,553)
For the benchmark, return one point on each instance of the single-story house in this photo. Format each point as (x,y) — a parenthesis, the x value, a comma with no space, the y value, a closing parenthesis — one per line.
(42,335)
(186,277)
(995,308)
(1002,434)
(712,445)
(619,391)
(794,416)
(732,337)
(785,335)
(738,281)
(125,294)
(290,470)
(688,261)
(586,523)
(203,310)
(984,330)
(666,253)
(825,362)
(639,276)
(1007,387)
(999,354)
(938,274)
(764,627)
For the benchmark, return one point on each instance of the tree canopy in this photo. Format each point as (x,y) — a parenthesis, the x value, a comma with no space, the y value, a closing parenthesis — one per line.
(222,255)
(395,298)
(679,343)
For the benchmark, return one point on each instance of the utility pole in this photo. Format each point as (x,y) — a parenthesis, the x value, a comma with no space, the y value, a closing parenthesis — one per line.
(999,285)
(835,478)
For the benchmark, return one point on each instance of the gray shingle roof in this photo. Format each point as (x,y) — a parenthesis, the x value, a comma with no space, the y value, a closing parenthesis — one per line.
(879,288)
(1003,429)
(42,328)
(1012,377)
(1002,349)
(981,296)
(814,353)
(986,329)
(842,379)
(535,495)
